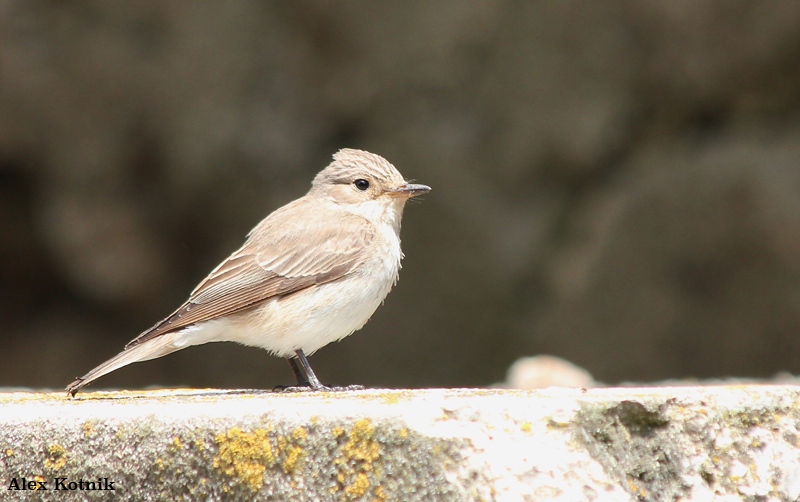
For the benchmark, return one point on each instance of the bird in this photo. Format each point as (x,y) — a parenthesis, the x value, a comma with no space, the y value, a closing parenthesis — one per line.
(311,273)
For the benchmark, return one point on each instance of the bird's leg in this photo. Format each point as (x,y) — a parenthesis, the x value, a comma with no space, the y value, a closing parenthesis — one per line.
(302,381)
(311,378)
(306,379)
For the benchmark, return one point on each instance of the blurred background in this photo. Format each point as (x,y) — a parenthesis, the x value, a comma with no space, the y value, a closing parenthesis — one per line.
(615,183)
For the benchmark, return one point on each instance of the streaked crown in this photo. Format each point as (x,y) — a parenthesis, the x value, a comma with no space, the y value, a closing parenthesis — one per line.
(349,162)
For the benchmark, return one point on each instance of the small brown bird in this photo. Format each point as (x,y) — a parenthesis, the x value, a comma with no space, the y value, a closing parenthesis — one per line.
(312,272)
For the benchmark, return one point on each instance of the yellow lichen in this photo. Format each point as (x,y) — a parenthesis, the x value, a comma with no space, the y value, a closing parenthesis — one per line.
(176,444)
(360,445)
(299,434)
(88,429)
(293,456)
(358,458)
(10,452)
(245,455)
(526,427)
(638,490)
(391,398)
(359,487)
(199,444)
(57,457)
(294,453)
(39,479)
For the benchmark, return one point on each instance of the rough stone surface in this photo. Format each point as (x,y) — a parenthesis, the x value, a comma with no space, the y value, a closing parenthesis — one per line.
(646,444)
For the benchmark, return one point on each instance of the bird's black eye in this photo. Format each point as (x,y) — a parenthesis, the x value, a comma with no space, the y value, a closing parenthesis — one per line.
(361,184)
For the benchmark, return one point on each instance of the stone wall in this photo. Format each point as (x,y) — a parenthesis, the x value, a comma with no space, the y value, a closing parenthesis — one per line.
(658,444)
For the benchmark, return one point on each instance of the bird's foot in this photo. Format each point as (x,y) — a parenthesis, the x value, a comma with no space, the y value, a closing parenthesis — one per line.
(347,388)
(293,388)
(321,388)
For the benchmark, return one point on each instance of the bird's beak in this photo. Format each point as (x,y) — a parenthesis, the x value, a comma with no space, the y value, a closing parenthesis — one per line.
(409,190)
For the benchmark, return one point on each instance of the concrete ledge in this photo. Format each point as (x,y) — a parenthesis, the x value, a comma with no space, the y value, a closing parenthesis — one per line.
(683,443)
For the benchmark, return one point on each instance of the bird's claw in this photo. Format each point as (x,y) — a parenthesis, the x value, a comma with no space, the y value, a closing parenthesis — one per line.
(321,388)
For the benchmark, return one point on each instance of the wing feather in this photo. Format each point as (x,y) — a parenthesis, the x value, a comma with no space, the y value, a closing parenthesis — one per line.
(279,258)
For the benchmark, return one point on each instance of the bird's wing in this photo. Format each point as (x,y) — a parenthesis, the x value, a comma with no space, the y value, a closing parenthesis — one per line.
(280,257)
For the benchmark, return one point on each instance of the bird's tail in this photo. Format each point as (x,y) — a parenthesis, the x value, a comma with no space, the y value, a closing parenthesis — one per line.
(151,349)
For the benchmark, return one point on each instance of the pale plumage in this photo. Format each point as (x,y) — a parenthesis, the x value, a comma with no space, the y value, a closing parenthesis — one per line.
(311,273)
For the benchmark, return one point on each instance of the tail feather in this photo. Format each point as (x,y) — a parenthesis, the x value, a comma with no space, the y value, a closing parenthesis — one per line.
(151,349)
